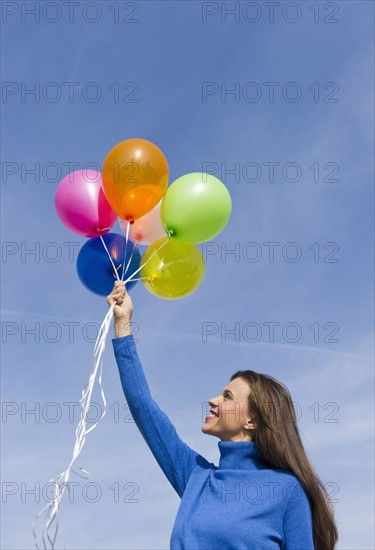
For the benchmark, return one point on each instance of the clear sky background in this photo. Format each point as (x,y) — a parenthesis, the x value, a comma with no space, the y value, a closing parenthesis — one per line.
(168,52)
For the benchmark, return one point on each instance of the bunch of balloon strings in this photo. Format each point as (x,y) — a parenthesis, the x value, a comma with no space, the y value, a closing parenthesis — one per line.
(61,482)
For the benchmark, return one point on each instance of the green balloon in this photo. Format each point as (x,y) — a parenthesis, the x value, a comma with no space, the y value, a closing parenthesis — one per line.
(195,208)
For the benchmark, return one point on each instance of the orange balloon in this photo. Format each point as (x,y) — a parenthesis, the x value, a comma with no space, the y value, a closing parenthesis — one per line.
(134,177)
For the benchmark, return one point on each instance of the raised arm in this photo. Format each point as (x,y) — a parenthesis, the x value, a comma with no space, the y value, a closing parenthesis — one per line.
(175,457)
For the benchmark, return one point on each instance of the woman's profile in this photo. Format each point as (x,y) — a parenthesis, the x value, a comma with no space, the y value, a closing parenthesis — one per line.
(264,494)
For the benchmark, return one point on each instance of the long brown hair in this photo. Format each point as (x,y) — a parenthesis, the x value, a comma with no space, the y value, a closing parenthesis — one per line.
(278,439)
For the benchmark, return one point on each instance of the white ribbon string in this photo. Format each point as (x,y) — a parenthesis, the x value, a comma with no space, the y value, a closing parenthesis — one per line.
(130,259)
(154,252)
(126,246)
(140,278)
(116,269)
(110,257)
(61,481)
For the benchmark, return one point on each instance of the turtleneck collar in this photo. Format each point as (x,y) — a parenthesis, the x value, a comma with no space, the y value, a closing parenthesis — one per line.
(240,455)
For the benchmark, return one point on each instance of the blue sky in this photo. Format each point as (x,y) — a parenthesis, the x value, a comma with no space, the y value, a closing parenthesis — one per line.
(168,55)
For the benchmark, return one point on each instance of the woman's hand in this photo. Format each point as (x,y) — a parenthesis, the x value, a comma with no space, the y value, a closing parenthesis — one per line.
(123,309)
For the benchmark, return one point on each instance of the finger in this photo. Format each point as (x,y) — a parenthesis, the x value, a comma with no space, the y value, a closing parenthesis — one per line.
(118,289)
(119,284)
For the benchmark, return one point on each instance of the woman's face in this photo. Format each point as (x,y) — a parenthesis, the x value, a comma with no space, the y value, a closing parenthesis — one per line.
(229,418)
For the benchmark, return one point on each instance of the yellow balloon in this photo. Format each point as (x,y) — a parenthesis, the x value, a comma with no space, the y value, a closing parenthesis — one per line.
(175,271)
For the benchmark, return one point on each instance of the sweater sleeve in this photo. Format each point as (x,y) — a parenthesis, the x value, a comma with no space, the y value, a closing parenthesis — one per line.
(298,522)
(175,457)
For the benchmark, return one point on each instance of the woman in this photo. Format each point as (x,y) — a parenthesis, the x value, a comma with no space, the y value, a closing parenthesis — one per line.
(264,495)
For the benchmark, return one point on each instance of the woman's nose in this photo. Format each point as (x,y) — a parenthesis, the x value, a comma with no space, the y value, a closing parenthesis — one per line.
(213,402)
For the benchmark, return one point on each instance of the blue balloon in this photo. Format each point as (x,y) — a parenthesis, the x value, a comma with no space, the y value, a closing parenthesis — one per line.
(95,269)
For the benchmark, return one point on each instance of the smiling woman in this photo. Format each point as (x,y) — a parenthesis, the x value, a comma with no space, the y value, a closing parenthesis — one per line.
(229,419)
(264,494)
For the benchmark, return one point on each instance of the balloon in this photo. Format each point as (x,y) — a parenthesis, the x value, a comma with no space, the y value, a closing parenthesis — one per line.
(196,208)
(95,269)
(81,204)
(175,271)
(135,177)
(147,229)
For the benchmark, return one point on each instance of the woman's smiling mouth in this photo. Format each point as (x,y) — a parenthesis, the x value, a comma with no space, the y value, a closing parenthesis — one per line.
(212,415)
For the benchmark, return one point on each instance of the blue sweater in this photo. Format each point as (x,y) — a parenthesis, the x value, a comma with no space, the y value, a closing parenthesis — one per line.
(240,504)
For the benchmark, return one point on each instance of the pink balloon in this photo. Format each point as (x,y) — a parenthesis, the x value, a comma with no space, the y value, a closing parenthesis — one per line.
(147,229)
(82,206)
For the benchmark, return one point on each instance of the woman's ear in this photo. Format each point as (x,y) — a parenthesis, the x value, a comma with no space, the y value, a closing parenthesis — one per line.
(251,423)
